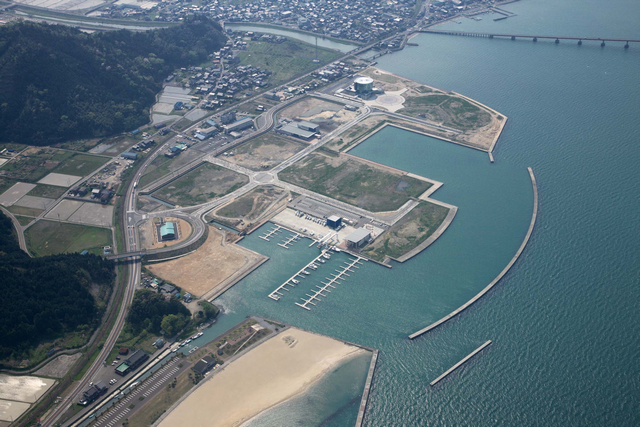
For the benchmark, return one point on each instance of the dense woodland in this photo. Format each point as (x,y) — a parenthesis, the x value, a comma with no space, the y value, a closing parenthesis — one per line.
(58,83)
(44,298)
(150,311)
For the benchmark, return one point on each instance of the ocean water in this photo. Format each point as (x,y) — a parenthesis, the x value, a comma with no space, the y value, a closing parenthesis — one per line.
(564,320)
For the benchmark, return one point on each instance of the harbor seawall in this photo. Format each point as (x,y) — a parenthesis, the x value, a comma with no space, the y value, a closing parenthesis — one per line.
(502,273)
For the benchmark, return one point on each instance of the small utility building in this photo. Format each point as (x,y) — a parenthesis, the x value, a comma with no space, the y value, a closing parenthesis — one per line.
(358,238)
(204,365)
(133,362)
(334,221)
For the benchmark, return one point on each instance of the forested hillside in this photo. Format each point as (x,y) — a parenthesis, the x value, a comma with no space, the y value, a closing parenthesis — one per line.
(45,298)
(58,83)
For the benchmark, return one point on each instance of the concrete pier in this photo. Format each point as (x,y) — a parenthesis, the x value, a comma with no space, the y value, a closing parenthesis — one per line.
(288,242)
(367,389)
(460,363)
(502,273)
(270,233)
(276,294)
(332,280)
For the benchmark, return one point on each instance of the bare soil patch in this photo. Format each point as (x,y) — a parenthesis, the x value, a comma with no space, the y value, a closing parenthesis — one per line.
(265,151)
(206,269)
(248,211)
(201,185)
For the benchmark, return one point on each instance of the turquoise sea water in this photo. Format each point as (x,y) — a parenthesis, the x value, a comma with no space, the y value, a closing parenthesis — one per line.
(564,320)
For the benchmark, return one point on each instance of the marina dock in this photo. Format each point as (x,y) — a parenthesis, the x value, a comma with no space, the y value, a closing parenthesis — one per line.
(290,241)
(266,236)
(460,363)
(341,273)
(276,294)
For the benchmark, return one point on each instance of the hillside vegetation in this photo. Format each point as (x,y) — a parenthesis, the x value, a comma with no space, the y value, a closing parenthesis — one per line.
(58,83)
(43,299)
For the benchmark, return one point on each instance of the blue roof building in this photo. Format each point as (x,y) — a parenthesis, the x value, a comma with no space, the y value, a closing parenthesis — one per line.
(168,231)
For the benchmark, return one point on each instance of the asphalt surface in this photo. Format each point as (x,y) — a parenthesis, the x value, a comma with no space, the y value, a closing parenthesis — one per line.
(148,390)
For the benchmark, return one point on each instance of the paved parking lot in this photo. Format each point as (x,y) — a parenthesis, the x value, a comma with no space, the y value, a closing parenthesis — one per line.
(15,193)
(148,389)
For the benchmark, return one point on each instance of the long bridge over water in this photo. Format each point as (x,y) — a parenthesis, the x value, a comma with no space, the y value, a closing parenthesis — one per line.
(557,39)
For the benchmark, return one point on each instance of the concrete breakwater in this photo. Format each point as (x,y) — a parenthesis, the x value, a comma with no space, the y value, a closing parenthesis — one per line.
(367,388)
(502,273)
(460,363)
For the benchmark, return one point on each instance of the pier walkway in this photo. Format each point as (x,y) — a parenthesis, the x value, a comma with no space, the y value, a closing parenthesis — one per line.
(266,236)
(460,363)
(532,37)
(342,272)
(290,241)
(276,294)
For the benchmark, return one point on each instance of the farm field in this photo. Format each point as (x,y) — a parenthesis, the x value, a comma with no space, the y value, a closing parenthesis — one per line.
(52,237)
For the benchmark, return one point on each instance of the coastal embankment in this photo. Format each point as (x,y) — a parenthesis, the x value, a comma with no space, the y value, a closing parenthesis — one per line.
(502,273)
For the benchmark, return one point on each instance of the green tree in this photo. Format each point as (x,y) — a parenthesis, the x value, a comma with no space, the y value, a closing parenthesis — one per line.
(172,324)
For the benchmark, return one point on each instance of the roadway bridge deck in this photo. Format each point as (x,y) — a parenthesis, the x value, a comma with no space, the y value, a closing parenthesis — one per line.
(532,37)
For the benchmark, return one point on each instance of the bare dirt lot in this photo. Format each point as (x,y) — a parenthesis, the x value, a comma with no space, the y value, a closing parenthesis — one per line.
(59,366)
(149,236)
(209,268)
(250,209)
(265,151)
(201,185)
(329,115)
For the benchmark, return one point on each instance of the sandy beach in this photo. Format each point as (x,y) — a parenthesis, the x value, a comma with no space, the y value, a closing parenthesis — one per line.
(276,370)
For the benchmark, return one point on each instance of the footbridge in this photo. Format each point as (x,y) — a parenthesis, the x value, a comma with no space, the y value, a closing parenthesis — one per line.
(534,38)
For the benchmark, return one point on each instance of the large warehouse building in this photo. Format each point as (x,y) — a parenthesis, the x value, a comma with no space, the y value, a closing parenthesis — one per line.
(358,238)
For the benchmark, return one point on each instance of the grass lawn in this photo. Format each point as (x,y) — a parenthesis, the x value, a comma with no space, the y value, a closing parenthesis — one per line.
(6,183)
(355,182)
(23,220)
(49,191)
(201,185)
(162,165)
(286,60)
(50,237)
(409,232)
(80,164)
(21,210)
(12,146)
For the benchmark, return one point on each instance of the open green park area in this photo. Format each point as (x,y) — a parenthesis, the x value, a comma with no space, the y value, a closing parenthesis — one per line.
(201,185)
(450,110)
(408,233)
(354,181)
(286,60)
(52,237)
